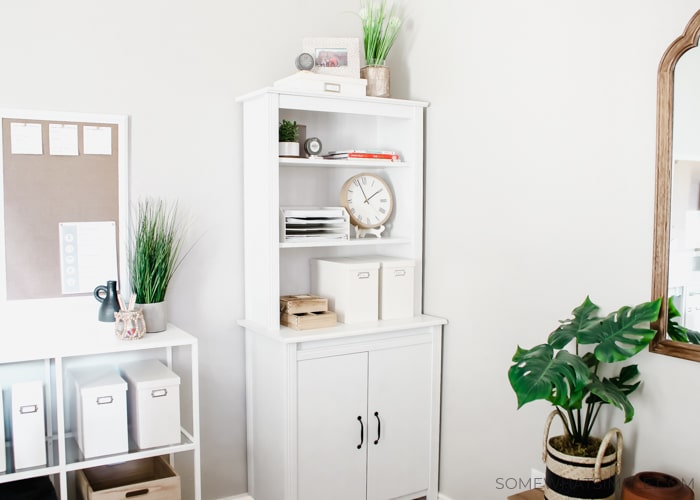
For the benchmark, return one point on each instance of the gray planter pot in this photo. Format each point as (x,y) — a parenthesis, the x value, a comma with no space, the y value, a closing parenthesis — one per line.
(156,316)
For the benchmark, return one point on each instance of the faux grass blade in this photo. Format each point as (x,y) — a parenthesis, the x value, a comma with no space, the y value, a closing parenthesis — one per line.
(154,253)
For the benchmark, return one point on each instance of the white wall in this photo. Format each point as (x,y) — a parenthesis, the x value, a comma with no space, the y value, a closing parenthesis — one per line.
(540,157)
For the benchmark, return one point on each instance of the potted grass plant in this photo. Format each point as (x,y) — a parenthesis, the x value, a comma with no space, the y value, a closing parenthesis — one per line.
(154,254)
(579,382)
(380,27)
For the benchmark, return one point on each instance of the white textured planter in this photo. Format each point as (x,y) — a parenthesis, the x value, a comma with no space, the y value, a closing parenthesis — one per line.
(156,316)
(289,149)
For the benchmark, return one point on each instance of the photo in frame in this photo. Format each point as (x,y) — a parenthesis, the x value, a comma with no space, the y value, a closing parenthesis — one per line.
(334,56)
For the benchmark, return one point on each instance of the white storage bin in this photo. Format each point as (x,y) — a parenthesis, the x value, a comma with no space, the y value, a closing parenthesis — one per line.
(351,286)
(153,403)
(3,463)
(28,426)
(396,285)
(100,412)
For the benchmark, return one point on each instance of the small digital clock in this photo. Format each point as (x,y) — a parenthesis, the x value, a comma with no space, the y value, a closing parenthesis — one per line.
(312,146)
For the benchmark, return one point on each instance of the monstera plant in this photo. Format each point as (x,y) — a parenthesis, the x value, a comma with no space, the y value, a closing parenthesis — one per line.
(677,331)
(581,380)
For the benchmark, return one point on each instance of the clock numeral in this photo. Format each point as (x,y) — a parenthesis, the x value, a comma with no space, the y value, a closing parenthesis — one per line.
(353,210)
(384,200)
(359,217)
(382,210)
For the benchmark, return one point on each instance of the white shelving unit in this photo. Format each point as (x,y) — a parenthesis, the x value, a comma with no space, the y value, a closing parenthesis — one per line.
(43,339)
(352,411)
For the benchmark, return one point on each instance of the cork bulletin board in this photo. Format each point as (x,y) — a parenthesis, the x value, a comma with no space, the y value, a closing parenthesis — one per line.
(64,202)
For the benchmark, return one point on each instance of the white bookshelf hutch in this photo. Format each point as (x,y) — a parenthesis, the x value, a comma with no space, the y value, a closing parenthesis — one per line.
(351,411)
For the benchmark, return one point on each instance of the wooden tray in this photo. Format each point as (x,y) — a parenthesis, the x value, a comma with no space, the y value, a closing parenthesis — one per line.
(146,479)
(308,321)
(298,304)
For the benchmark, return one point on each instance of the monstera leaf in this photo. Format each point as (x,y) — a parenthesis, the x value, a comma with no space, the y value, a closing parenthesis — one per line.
(539,374)
(677,331)
(618,335)
(571,328)
(609,392)
(615,390)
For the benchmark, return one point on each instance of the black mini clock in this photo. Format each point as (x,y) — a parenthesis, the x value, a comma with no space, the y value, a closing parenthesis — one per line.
(312,146)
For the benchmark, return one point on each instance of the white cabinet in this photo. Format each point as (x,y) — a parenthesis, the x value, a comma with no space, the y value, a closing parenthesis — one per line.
(311,405)
(349,412)
(364,424)
(54,338)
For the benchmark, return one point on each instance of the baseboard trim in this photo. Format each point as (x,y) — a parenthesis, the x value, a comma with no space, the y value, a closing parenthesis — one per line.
(245,496)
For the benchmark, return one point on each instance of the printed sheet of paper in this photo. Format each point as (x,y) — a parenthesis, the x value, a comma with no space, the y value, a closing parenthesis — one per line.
(97,140)
(88,255)
(63,139)
(25,138)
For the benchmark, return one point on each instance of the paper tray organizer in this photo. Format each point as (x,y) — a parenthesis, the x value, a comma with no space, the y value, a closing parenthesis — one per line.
(308,224)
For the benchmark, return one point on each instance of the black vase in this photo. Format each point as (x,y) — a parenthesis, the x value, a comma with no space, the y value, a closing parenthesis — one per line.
(107,295)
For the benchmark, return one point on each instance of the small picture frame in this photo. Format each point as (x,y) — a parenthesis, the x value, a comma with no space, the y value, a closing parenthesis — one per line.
(335,56)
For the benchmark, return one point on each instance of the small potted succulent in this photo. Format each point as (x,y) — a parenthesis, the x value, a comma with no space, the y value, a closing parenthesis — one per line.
(288,138)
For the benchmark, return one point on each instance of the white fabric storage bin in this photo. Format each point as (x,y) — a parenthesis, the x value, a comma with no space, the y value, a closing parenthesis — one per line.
(350,284)
(396,285)
(100,412)
(3,463)
(153,403)
(28,425)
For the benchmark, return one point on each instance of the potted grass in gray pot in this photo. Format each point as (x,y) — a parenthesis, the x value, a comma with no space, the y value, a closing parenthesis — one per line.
(154,255)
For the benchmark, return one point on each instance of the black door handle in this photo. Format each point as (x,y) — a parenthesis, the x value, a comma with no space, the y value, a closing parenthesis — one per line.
(362,432)
(379,428)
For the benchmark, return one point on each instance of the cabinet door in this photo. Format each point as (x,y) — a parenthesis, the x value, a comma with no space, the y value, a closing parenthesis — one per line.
(399,405)
(332,423)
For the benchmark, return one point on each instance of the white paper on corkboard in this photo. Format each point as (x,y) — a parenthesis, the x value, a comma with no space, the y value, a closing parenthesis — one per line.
(88,252)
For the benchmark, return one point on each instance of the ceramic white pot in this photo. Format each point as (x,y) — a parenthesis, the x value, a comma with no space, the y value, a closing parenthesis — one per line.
(289,149)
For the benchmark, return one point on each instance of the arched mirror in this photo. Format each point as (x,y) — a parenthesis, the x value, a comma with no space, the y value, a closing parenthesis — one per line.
(676,273)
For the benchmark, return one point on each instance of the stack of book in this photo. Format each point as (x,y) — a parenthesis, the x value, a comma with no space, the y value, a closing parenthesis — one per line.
(307,224)
(363,154)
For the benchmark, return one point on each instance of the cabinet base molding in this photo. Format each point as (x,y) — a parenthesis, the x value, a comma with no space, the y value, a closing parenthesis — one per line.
(248,497)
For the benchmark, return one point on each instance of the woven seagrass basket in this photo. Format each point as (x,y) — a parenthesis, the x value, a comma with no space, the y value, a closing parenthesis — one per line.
(570,477)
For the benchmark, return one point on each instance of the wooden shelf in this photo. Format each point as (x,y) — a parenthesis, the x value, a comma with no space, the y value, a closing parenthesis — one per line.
(353,242)
(323,163)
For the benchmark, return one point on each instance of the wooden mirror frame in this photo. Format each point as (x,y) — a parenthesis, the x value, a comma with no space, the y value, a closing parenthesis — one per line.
(662,208)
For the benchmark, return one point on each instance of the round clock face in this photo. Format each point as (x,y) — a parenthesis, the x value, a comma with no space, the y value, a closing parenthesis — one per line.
(304,62)
(368,199)
(312,146)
